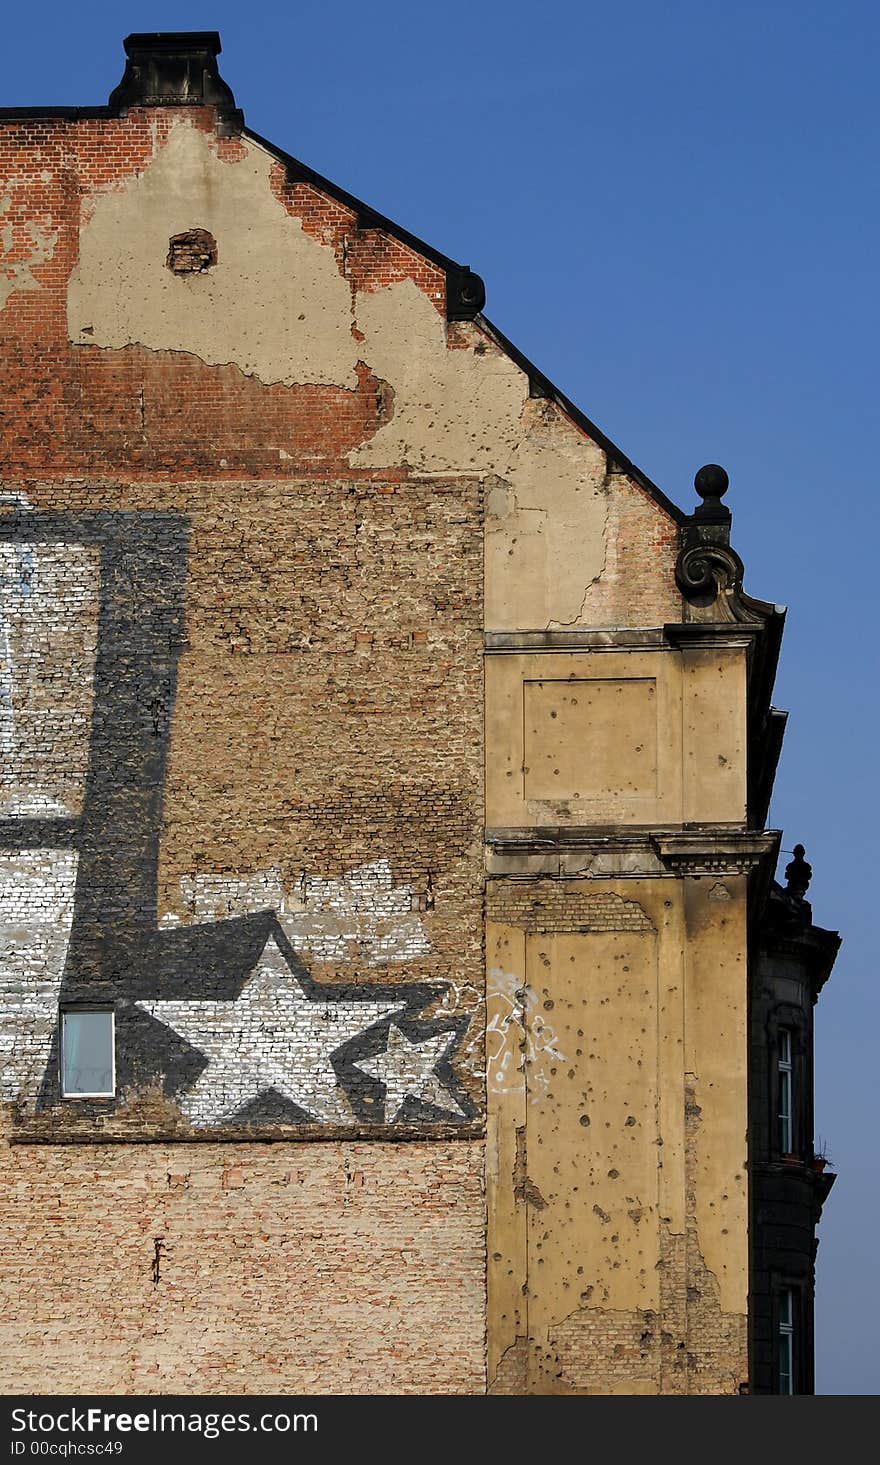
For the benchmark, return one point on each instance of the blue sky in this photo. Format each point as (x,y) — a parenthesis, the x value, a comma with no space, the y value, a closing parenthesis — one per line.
(675,208)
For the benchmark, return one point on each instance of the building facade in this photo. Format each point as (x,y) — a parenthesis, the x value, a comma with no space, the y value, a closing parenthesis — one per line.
(389,934)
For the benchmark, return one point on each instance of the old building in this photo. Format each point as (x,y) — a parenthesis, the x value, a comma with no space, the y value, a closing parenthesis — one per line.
(386,900)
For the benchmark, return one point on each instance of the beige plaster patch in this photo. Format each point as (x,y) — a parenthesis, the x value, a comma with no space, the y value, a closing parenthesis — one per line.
(274,304)
(469,411)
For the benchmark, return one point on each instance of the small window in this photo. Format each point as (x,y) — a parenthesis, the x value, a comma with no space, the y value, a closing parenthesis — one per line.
(784,1066)
(88,1060)
(786,1341)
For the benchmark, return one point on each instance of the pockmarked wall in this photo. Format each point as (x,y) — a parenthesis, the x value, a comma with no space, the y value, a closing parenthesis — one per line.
(316,611)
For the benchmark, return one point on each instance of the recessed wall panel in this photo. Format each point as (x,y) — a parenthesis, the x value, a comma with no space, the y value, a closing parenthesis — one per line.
(589,738)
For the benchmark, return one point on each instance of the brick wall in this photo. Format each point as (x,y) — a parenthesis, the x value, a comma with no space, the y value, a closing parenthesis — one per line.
(551,905)
(253,1269)
(245,684)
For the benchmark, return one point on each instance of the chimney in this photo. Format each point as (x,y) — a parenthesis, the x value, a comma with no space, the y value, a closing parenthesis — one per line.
(175,69)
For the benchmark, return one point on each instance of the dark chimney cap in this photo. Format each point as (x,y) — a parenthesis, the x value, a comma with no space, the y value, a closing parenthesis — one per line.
(141,41)
(174,69)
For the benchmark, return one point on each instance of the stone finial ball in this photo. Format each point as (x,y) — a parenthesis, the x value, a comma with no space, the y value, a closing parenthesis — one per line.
(711,482)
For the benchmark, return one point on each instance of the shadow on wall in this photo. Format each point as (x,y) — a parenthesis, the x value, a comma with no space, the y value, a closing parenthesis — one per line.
(223,1015)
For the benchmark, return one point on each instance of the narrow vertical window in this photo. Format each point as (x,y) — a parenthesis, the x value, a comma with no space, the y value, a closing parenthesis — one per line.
(786,1135)
(786,1341)
(88,1060)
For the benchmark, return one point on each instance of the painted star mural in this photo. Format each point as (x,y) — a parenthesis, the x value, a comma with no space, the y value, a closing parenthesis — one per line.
(408,1069)
(273,1036)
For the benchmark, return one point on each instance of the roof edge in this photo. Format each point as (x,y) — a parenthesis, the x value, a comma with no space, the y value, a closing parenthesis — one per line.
(541,386)
(465,293)
(464,280)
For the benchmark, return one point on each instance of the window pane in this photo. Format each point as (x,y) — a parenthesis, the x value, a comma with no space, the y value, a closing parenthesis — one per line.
(785,1340)
(87,1053)
(785,1135)
(784,1078)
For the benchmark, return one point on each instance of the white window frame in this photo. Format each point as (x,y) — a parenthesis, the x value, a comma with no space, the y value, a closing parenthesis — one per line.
(79,1093)
(785,1086)
(785,1338)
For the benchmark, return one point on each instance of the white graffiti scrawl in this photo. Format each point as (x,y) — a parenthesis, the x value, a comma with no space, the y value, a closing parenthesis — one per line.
(521,1045)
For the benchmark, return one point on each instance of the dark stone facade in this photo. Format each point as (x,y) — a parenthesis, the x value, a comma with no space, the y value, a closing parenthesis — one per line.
(789,1182)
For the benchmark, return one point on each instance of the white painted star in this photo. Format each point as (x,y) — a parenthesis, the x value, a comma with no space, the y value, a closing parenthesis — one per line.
(36,910)
(272,1036)
(407,1069)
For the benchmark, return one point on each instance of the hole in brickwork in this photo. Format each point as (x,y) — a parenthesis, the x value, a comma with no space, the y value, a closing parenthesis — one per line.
(191,253)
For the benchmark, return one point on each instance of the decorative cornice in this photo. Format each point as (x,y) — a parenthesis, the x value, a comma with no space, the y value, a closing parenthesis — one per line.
(696,634)
(706,852)
(577,638)
(621,851)
(570,836)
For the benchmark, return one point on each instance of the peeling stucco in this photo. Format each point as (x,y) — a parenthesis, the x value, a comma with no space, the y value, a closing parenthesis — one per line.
(274,305)
(277,305)
(469,410)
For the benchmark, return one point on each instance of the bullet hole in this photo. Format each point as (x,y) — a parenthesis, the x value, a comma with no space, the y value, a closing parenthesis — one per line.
(585,1121)
(613,1174)
(631,1120)
(191,253)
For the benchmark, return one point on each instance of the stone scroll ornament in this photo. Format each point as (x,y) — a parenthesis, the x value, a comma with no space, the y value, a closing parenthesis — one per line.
(708,572)
(221,1017)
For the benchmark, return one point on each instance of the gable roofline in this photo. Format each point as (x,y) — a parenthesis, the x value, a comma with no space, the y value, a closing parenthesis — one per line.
(465,297)
(541,386)
(465,291)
